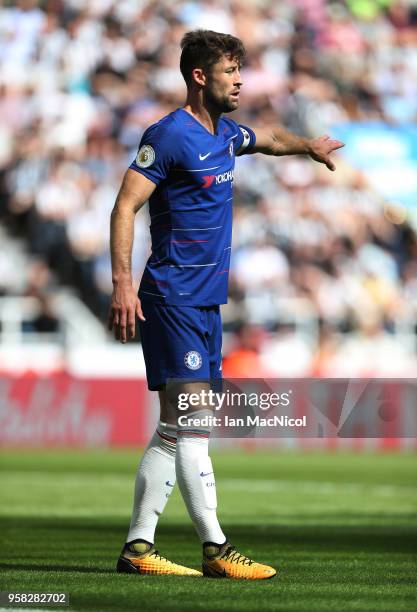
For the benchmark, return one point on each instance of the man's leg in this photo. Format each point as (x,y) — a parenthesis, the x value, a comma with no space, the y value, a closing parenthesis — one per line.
(195,478)
(195,471)
(155,480)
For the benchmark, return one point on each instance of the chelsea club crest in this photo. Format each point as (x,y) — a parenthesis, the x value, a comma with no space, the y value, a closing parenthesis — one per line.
(193,360)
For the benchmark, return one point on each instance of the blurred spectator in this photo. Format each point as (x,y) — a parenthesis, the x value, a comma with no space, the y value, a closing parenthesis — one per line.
(39,286)
(244,361)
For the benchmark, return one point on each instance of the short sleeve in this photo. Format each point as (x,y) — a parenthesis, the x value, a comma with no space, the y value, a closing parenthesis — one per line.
(245,140)
(156,154)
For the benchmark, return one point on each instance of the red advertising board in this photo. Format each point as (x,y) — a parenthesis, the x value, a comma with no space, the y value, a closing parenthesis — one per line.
(59,409)
(62,410)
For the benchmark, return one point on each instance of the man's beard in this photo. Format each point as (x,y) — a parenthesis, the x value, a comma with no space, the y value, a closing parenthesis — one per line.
(223,105)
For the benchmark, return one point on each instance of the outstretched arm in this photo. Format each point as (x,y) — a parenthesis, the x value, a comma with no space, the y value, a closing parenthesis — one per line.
(278,141)
(134,192)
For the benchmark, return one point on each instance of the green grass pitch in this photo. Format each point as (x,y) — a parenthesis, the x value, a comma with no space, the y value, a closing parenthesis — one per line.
(341,529)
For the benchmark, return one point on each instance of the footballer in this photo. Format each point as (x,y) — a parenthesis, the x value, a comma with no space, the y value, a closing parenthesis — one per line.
(184,168)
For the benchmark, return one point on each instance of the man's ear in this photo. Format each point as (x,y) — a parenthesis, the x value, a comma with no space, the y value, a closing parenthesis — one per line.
(199,76)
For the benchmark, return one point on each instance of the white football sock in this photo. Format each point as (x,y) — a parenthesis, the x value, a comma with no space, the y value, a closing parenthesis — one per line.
(196,482)
(155,481)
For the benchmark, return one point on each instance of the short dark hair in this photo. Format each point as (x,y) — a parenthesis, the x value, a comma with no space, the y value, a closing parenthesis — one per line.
(203,48)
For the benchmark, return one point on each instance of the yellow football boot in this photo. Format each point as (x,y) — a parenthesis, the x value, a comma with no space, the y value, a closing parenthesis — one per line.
(226,562)
(142,558)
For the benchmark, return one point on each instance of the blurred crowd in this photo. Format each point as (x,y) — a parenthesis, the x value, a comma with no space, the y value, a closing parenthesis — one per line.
(324,273)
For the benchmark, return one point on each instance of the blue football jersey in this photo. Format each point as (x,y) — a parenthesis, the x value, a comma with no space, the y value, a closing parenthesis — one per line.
(191,207)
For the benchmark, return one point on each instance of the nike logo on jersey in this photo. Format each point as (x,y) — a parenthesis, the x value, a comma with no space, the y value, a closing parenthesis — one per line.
(202,474)
(203,157)
(168,484)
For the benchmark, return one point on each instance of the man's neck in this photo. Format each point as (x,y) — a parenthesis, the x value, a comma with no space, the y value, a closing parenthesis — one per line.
(208,117)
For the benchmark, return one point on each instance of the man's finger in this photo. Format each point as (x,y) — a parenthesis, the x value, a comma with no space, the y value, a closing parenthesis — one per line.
(139,311)
(131,321)
(330,164)
(122,326)
(337,144)
(110,319)
(115,314)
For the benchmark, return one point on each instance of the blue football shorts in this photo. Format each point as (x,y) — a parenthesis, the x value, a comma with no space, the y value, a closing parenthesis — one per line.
(181,342)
